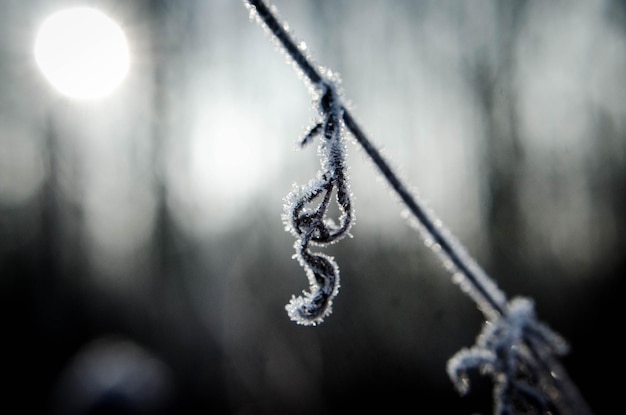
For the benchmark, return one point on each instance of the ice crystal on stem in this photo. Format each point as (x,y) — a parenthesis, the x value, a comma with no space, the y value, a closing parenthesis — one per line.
(519,352)
(309,223)
(513,350)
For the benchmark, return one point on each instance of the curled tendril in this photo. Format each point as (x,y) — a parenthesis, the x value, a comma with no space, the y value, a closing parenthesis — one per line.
(512,350)
(311,225)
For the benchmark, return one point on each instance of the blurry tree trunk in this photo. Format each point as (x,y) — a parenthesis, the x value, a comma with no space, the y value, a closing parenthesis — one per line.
(173,320)
(503,154)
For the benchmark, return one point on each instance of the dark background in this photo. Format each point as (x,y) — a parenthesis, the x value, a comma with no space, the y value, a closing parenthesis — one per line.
(144,267)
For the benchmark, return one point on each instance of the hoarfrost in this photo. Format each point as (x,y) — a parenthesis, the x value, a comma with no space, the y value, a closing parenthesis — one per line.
(310,224)
(513,350)
(459,263)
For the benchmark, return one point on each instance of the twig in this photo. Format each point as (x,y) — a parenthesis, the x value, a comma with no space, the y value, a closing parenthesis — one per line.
(514,347)
(491,300)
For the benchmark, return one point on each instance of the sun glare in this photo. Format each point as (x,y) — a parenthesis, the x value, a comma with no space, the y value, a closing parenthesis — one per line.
(82,52)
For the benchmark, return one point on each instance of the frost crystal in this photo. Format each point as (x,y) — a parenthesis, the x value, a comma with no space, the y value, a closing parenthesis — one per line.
(512,350)
(308,221)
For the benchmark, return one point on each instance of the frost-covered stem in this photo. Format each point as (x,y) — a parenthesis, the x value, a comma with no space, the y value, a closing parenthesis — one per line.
(571,400)
(279,31)
(451,251)
(490,300)
(512,340)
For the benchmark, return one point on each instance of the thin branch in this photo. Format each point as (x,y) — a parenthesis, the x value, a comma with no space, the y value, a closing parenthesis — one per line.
(491,300)
(269,19)
(511,343)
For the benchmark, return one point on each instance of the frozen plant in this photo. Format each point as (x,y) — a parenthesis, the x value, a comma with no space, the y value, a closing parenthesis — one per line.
(517,351)
(312,226)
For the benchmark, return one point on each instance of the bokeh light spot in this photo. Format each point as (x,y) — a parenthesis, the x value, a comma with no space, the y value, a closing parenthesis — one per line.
(82,52)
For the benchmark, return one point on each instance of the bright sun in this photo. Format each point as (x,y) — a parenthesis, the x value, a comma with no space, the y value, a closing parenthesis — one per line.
(82,53)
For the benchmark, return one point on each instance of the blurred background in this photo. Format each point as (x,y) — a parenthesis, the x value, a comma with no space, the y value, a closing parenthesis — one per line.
(144,267)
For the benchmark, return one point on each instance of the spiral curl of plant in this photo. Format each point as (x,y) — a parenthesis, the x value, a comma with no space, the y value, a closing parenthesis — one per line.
(312,226)
(517,351)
